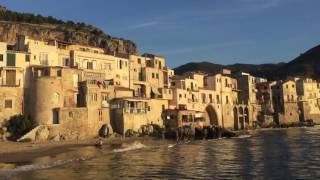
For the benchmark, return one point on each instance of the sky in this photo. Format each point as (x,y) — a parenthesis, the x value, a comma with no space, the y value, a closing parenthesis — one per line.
(217,31)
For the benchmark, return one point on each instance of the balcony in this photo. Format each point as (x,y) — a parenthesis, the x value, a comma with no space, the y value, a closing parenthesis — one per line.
(4,83)
(136,110)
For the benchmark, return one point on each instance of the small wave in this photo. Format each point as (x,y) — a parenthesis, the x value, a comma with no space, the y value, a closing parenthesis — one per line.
(243,136)
(31,167)
(171,145)
(312,132)
(134,146)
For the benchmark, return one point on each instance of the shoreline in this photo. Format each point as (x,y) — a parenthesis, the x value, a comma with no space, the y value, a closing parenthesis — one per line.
(14,154)
(17,153)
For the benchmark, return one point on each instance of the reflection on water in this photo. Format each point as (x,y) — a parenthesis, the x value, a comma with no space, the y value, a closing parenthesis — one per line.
(270,154)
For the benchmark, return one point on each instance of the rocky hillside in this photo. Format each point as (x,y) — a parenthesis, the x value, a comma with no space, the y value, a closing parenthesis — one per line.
(43,28)
(306,65)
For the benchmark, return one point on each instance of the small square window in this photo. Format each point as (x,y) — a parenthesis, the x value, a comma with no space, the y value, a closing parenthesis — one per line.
(70,114)
(8,104)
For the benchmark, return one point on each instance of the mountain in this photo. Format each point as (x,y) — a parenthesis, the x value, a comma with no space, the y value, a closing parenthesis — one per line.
(305,65)
(48,28)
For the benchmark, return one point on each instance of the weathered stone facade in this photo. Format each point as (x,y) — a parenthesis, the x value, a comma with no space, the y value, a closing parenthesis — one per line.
(72,91)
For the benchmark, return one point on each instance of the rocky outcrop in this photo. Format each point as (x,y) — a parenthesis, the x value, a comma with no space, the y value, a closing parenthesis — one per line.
(90,36)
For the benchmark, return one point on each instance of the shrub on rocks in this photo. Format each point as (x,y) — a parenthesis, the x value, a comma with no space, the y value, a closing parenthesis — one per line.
(19,125)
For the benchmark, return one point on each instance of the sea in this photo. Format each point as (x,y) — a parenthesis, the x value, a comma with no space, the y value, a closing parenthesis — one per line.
(292,153)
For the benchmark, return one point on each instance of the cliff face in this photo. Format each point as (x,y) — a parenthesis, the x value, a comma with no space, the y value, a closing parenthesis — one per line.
(91,36)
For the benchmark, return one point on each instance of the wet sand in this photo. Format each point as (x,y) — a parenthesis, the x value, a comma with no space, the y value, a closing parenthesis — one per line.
(24,153)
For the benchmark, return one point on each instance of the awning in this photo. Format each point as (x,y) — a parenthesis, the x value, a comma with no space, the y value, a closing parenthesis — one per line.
(155,91)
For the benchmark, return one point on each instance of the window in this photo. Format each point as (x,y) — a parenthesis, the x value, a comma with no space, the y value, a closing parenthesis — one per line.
(120,64)
(100,115)
(218,99)
(157,76)
(94,97)
(89,65)
(70,114)
(292,85)
(126,63)
(152,75)
(11,59)
(227,100)
(1,57)
(107,66)
(59,72)
(66,62)
(27,57)
(210,98)
(203,98)
(226,82)
(8,104)
(139,61)
(185,118)
(44,59)
(180,95)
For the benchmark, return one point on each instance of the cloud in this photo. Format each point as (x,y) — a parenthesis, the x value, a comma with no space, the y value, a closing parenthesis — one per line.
(190,49)
(264,4)
(144,25)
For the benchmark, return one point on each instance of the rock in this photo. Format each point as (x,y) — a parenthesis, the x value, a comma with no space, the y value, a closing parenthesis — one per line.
(42,134)
(8,31)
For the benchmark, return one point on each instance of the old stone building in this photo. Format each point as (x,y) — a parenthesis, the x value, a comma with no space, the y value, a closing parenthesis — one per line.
(308,91)
(248,95)
(72,91)
(284,100)
(264,99)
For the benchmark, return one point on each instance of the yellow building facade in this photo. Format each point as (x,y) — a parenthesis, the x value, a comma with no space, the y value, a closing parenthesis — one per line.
(74,91)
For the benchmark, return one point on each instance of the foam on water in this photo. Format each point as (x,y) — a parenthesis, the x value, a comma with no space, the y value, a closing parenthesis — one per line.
(171,145)
(31,167)
(243,136)
(133,146)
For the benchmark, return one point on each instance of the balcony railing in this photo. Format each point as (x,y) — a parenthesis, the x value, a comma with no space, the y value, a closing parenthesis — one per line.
(4,83)
(135,110)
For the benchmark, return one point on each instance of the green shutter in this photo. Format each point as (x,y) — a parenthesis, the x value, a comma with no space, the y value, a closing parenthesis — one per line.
(27,57)
(11,59)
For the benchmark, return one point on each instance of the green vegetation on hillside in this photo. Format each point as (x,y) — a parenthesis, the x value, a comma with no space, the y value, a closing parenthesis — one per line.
(306,66)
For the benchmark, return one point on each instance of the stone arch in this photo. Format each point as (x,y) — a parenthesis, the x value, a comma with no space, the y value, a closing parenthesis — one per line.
(241,117)
(212,114)
(235,119)
(246,115)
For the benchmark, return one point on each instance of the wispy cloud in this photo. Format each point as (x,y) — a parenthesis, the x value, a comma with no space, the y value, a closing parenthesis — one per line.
(206,47)
(264,4)
(144,24)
